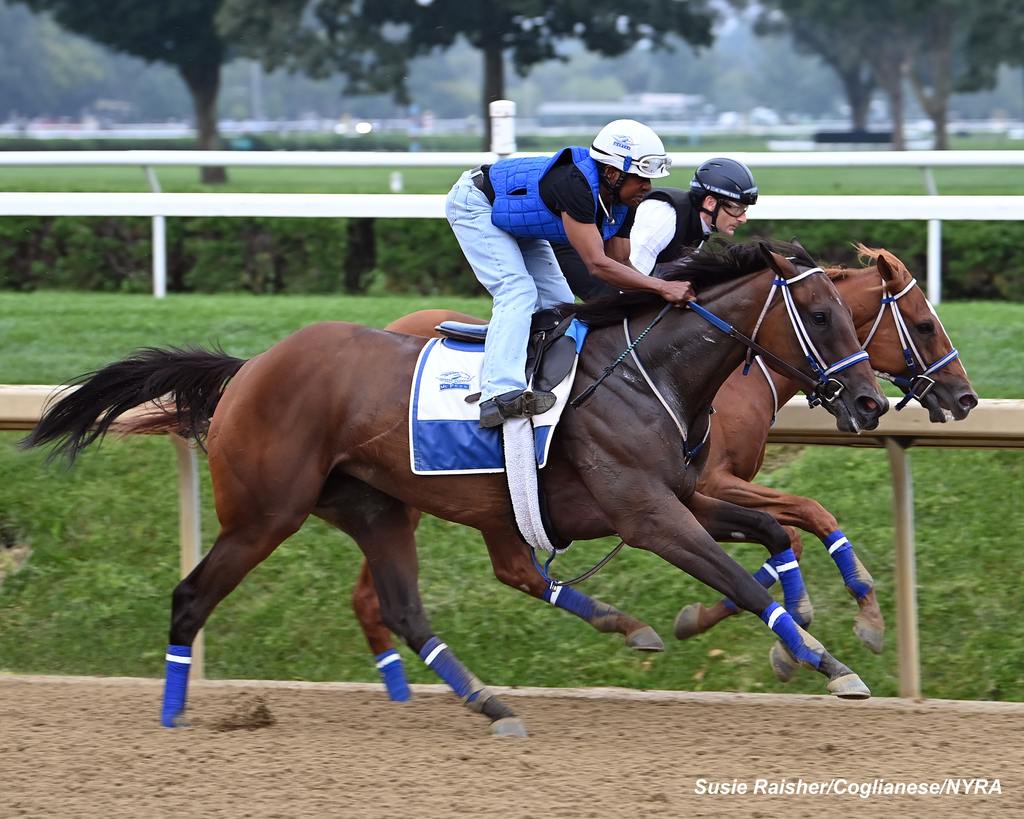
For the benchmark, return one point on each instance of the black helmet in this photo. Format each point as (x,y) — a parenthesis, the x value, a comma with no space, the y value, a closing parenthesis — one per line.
(724,179)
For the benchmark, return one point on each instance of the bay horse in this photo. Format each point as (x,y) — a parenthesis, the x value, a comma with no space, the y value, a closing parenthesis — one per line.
(905,340)
(318,424)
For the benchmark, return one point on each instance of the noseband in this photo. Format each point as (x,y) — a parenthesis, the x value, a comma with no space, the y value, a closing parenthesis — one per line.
(919,384)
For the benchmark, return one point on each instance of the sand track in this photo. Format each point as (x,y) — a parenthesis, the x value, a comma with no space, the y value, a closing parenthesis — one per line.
(92,747)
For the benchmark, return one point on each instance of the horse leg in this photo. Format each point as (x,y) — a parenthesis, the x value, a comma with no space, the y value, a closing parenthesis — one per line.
(510,559)
(811,516)
(675,536)
(254,522)
(366,606)
(727,522)
(384,527)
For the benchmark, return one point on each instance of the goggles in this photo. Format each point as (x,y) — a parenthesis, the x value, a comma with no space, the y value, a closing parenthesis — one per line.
(650,165)
(733,209)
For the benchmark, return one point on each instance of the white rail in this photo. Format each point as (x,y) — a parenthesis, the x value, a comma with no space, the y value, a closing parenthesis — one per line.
(994,424)
(841,207)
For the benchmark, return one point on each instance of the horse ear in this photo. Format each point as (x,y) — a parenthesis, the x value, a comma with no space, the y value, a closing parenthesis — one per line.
(887,271)
(770,259)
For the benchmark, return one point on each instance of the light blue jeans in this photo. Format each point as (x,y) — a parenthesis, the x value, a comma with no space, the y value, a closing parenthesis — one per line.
(522,275)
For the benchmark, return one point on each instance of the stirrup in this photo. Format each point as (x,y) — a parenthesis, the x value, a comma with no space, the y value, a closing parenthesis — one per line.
(514,404)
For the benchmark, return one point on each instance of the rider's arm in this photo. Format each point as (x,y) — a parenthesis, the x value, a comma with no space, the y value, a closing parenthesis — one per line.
(586,239)
(653,228)
(617,248)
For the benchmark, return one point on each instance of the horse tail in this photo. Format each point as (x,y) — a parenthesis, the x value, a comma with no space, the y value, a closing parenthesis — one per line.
(183,386)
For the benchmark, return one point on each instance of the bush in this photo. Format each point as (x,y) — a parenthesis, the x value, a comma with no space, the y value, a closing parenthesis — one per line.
(981,260)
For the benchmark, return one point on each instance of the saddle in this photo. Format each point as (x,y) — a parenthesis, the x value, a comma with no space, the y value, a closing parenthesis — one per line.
(550,353)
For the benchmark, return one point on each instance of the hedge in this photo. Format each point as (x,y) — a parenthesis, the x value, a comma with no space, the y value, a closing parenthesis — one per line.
(981,260)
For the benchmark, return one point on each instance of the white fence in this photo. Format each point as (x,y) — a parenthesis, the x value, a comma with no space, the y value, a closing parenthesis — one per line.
(993,424)
(931,208)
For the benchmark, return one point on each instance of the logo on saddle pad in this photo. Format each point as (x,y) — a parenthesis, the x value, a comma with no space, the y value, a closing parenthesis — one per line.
(454,380)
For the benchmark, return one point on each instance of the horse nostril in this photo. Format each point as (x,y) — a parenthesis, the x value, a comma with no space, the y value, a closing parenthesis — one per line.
(867,405)
(968,400)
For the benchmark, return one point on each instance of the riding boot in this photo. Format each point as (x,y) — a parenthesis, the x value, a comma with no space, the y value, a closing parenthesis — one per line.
(514,404)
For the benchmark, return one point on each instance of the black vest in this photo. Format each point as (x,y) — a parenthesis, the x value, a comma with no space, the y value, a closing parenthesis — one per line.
(689,228)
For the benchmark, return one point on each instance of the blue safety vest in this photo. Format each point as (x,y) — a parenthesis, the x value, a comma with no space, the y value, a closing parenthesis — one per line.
(520,210)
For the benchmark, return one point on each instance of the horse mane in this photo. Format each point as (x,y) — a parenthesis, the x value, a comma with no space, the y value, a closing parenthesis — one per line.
(869,255)
(710,266)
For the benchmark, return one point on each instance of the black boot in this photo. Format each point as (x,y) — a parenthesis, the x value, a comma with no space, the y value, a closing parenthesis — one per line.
(514,404)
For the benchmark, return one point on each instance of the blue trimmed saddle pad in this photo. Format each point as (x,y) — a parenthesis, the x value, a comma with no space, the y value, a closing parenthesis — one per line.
(444,431)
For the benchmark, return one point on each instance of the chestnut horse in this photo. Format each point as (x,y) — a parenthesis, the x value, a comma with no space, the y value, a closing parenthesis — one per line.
(318,424)
(746,407)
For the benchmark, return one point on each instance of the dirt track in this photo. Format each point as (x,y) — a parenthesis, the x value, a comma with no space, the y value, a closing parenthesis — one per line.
(76,747)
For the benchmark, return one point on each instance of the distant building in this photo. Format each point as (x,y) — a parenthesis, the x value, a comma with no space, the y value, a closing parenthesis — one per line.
(643,107)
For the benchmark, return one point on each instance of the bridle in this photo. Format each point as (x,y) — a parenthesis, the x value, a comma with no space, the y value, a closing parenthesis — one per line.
(919,383)
(822,387)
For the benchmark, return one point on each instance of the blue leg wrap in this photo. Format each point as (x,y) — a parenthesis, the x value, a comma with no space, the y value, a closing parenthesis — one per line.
(788,570)
(763,576)
(566,597)
(842,553)
(782,623)
(179,662)
(392,672)
(444,663)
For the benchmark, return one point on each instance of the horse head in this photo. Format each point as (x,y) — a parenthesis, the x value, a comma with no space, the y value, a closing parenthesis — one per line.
(816,328)
(908,344)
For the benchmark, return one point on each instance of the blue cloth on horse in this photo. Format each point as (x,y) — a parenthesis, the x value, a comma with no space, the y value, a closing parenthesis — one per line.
(444,431)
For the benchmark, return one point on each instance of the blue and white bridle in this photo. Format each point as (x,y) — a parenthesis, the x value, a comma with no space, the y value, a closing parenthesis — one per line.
(828,388)
(919,384)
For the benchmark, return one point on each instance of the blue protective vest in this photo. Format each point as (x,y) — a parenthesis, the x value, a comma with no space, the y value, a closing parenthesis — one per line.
(518,208)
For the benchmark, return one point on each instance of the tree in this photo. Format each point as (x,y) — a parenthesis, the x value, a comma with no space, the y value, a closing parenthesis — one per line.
(371,41)
(181,34)
(832,33)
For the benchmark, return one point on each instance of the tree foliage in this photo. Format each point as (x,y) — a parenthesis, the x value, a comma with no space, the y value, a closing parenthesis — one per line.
(940,46)
(372,41)
(181,34)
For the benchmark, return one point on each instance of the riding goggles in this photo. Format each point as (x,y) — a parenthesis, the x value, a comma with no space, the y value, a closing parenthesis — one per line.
(650,165)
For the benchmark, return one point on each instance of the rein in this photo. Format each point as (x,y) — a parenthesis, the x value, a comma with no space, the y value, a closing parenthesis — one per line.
(920,383)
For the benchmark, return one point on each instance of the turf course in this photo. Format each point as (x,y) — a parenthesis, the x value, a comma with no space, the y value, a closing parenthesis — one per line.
(94,597)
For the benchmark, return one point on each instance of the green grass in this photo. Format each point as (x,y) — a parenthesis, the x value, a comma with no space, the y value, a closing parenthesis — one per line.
(94,598)
(791,181)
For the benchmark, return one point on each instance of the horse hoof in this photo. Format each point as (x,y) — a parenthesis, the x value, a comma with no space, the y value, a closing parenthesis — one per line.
(687,622)
(177,721)
(508,727)
(782,662)
(849,687)
(645,639)
(870,635)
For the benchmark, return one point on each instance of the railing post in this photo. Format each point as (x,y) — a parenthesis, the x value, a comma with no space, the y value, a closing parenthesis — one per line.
(935,261)
(905,569)
(159,242)
(503,127)
(189,530)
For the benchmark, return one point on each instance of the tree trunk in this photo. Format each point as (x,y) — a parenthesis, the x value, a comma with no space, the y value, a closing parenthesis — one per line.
(858,86)
(360,252)
(931,75)
(494,83)
(203,81)
(889,71)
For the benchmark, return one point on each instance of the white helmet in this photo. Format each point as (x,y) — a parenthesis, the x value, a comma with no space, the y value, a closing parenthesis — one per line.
(632,147)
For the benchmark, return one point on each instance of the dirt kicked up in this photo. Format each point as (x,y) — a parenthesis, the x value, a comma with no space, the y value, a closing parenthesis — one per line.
(87,747)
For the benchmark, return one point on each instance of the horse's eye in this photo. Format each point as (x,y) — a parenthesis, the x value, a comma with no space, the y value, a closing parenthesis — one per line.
(820,318)
(925,327)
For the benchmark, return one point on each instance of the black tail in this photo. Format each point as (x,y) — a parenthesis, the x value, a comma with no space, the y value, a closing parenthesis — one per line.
(193,377)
